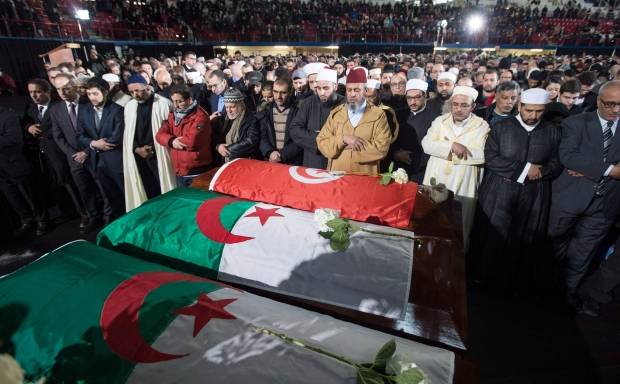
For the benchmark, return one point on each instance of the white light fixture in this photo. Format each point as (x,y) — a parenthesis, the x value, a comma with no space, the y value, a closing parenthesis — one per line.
(82,14)
(281,46)
(475,23)
(441,48)
(488,49)
(536,50)
(332,47)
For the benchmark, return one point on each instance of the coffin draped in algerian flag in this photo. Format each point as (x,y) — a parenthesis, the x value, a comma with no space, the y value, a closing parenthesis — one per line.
(268,247)
(86,314)
(357,197)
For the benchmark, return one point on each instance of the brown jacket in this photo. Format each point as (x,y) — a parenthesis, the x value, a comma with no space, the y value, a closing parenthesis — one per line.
(373,128)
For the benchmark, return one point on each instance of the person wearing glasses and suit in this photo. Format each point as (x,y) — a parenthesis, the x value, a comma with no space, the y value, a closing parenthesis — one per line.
(586,196)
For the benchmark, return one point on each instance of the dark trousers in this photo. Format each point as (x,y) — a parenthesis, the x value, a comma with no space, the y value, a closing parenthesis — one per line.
(24,200)
(576,238)
(599,285)
(87,188)
(149,174)
(112,185)
(185,181)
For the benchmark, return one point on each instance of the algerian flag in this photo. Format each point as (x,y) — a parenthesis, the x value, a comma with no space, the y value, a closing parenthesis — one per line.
(86,314)
(269,247)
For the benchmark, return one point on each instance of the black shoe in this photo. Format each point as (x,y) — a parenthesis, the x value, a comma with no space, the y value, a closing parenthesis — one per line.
(41,228)
(23,230)
(591,308)
(93,225)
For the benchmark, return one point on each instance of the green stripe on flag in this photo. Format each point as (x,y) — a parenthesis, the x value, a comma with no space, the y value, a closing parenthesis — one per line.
(50,312)
(166,226)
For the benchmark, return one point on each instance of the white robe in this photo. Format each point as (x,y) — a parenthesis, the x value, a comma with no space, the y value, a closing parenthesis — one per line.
(135,193)
(460,176)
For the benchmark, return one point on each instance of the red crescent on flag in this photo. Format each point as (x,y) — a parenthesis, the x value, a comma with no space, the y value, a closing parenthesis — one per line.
(208,220)
(119,316)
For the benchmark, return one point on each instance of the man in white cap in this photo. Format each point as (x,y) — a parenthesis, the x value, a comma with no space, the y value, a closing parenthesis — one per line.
(356,136)
(455,144)
(446,81)
(407,152)
(116,93)
(147,169)
(375,74)
(521,160)
(311,117)
(312,70)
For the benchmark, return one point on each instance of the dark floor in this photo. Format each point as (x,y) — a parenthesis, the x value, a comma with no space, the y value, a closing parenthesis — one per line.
(511,340)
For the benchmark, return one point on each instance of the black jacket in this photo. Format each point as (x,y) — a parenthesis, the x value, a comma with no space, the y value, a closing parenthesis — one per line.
(112,128)
(249,137)
(13,163)
(305,127)
(291,153)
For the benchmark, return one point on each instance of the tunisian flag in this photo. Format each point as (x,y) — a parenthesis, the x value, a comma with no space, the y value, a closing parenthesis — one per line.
(357,197)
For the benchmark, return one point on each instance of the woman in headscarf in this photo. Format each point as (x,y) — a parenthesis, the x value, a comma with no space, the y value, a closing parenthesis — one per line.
(239,135)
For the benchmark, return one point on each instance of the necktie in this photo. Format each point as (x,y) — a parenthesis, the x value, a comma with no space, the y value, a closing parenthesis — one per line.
(40,114)
(73,116)
(607,136)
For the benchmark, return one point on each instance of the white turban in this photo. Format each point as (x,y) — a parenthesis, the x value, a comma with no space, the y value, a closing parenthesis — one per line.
(373,84)
(326,74)
(416,84)
(465,91)
(313,68)
(111,78)
(447,76)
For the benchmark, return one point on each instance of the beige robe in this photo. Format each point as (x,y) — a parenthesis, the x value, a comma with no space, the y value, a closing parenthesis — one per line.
(373,128)
(460,176)
(135,194)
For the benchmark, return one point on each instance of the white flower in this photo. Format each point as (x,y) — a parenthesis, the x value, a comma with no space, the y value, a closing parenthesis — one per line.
(400,176)
(323,215)
(398,364)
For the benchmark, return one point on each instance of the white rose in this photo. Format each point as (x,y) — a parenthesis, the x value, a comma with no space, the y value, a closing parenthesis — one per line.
(324,215)
(400,176)
(398,364)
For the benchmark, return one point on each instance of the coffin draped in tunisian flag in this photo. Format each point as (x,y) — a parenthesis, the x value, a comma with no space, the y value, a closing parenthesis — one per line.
(359,198)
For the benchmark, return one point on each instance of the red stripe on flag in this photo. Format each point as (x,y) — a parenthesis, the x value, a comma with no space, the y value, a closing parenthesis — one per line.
(357,197)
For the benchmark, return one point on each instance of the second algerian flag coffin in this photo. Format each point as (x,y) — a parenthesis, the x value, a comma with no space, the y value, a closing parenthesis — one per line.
(269,247)
(86,314)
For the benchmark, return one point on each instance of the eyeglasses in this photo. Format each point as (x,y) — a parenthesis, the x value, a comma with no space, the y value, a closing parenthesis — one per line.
(609,104)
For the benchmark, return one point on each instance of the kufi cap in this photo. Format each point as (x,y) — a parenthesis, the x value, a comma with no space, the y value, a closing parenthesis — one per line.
(374,72)
(233,95)
(82,78)
(254,77)
(373,84)
(454,70)
(313,68)
(466,91)
(447,76)
(327,74)
(357,75)
(535,96)
(299,74)
(417,84)
(416,73)
(110,77)
(136,79)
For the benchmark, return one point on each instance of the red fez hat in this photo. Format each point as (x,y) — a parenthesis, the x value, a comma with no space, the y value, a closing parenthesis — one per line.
(357,75)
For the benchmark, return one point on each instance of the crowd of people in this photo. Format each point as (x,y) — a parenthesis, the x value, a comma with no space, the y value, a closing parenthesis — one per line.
(527,145)
(330,20)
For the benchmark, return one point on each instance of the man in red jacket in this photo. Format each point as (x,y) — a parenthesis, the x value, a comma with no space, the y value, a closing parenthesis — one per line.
(187,133)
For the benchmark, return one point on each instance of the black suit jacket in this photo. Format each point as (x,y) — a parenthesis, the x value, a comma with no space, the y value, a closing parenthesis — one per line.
(291,153)
(112,127)
(213,98)
(13,163)
(65,135)
(581,150)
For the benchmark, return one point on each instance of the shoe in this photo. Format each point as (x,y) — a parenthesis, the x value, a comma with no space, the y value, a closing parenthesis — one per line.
(591,308)
(23,230)
(41,228)
(93,225)
(83,223)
